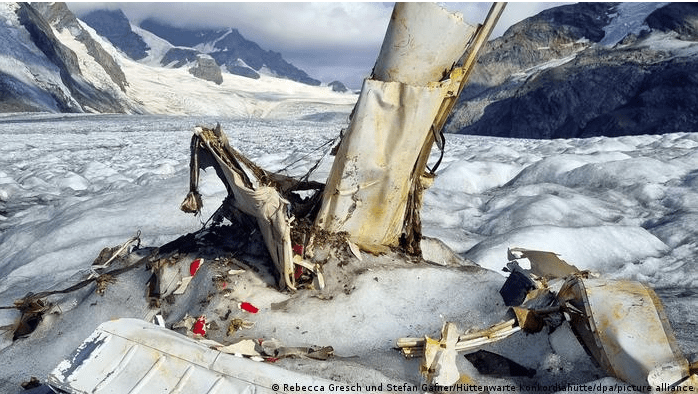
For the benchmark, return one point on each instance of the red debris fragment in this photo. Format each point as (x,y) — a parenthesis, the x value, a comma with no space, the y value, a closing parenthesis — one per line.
(200,326)
(298,249)
(299,271)
(271,359)
(194,266)
(246,306)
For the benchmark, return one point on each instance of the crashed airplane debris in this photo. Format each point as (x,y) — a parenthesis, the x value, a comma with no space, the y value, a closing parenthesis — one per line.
(621,324)
(369,204)
(133,356)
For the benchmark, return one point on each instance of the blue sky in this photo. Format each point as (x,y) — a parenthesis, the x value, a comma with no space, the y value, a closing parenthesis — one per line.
(328,40)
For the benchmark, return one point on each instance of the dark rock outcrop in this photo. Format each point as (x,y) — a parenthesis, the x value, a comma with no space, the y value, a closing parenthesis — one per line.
(115,27)
(550,77)
(17,96)
(207,69)
(552,34)
(228,47)
(60,17)
(51,78)
(603,99)
(178,57)
(679,17)
(243,71)
(338,87)
(67,62)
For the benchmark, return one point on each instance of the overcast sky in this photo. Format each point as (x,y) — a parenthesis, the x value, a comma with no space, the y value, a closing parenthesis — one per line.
(328,40)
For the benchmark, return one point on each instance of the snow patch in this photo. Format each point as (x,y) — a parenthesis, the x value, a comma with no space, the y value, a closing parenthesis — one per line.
(628,19)
(474,177)
(603,249)
(158,46)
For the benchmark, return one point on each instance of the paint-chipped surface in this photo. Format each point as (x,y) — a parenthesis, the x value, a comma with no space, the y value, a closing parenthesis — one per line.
(133,356)
(623,325)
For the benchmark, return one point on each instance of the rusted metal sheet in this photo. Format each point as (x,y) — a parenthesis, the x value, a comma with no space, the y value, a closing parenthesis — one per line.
(623,325)
(132,356)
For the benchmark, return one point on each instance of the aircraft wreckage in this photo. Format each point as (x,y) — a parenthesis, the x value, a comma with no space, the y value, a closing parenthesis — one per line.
(369,207)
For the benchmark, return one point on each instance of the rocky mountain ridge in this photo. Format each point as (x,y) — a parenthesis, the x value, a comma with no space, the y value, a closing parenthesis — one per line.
(51,61)
(40,73)
(232,52)
(587,69)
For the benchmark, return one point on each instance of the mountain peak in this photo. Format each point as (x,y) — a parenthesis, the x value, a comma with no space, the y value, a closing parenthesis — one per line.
(587,69)
(115,27)
(230,49)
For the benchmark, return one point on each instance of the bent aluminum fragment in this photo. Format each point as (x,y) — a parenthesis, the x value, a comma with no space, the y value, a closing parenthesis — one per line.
(623,325)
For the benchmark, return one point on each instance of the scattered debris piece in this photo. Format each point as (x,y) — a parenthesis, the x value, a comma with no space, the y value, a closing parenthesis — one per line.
(543,264)
(488,363)
(246,306)
(102,282)
(298,249)
(194,266)
(186,323)
(299,271)
(42,389)
(182,285)
(159,320)
(439,363)
(620,323)
(516,287)
(244,347)
(238,324)
(414,347)
(322,353)
(32,383)
(152,287)
(108,255)
(276,350)
(623,325)
(33,311)
(355,250)
(199,327)
(539,309)
(156,360)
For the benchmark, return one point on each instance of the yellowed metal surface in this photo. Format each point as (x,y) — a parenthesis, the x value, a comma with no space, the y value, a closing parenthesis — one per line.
(544,264)
(439,362)
(264,203)
(422,43)
(366,192)
(372,175)
(623,325)
(412,347)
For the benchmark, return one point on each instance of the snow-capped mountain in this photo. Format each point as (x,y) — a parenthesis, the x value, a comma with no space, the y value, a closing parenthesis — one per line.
(231,51)
(115,27)
(52,61)
(587,69)
(39,72)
